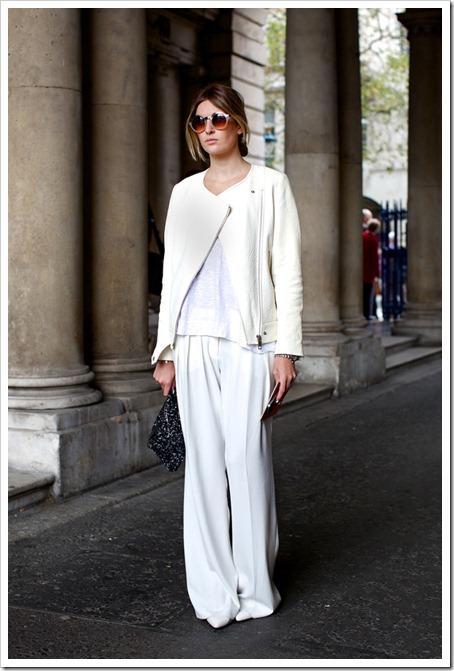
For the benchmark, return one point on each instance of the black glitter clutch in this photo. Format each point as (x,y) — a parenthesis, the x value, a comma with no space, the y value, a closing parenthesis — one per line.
(166,437)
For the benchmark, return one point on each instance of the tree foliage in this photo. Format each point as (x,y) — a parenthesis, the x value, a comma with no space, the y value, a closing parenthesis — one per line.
(384,85)
(275,30)
(275,33)
(384,79)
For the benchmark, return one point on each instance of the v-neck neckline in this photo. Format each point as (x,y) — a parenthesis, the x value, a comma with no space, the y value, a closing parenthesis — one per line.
(232,186)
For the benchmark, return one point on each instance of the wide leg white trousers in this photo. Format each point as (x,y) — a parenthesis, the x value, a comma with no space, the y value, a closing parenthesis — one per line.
(230,551)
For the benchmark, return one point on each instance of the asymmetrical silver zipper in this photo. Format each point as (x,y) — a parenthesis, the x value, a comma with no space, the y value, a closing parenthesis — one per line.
(259,272)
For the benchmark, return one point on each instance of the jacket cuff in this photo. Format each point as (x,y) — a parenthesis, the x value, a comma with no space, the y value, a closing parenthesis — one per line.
(165,355)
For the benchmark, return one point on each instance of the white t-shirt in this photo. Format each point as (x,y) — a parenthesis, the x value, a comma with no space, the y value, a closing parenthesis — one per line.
(210,307)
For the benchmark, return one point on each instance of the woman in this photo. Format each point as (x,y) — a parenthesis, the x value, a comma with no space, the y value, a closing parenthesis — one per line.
(229,329)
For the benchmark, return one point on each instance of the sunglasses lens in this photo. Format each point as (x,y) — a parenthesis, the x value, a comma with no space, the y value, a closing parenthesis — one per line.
(197,123)
(219,120)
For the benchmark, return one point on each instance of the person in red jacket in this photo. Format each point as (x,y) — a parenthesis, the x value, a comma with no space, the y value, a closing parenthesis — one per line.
(370,265)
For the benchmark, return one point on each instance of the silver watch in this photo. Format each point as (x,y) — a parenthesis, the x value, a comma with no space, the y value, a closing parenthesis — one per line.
(289,356)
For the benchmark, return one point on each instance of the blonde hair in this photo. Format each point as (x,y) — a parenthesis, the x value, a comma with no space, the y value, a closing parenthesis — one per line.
(230,102)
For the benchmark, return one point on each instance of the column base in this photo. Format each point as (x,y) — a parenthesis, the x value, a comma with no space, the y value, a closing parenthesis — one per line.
(84,447)
(46,393)
(345,363)
(354,327)
(423,321)
(118,377)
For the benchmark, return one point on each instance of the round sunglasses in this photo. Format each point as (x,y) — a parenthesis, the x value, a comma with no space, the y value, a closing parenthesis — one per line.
(219,121)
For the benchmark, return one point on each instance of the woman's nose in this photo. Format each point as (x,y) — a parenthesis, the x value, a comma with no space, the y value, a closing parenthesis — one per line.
(209,128)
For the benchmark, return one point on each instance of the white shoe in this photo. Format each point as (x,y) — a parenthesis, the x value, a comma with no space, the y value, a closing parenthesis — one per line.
(218,622)
(243,615)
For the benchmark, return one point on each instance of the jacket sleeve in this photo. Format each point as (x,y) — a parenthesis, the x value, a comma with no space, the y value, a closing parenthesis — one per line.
(163,350)
(286,269)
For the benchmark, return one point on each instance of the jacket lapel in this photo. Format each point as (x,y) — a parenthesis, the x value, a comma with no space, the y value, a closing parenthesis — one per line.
(194,236)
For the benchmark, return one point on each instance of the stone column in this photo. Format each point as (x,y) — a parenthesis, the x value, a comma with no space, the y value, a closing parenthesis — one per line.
(118,235)
(165,136)
(350,172)
(46,352)
(424,288)
(312,159)
(314,168)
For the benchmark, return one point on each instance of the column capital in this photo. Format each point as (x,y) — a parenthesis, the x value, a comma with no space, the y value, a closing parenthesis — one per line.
(420,22)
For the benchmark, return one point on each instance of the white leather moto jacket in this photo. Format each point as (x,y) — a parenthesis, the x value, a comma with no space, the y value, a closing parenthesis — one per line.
(261,242)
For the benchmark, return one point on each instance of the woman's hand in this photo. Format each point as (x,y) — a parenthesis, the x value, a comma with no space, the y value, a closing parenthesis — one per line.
(164,375)
(284,373)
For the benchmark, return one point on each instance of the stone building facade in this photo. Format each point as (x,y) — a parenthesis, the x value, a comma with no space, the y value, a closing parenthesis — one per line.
(97,100)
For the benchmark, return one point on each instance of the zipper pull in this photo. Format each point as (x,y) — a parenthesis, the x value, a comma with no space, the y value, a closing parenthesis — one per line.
(259,340)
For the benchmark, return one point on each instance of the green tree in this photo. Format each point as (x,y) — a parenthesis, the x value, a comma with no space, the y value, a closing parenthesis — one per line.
(384,85)
(275,32)
(384,81)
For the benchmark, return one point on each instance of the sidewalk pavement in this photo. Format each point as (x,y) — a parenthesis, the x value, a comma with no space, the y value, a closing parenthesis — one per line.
(101,575)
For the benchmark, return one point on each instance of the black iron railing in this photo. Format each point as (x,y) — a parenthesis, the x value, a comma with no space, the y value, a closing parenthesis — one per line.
(393,261)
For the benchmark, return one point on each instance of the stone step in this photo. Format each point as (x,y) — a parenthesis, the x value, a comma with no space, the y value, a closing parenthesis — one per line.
(410,357)
(27,488)
(393,344)
(403,352)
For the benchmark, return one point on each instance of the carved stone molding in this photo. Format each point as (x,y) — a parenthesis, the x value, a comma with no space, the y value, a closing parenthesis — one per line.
(175,35)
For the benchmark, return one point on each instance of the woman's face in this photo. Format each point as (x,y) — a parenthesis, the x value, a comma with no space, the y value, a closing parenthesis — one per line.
(218,142)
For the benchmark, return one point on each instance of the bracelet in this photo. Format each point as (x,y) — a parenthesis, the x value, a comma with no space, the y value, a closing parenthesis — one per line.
(288,356)
(166,360)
